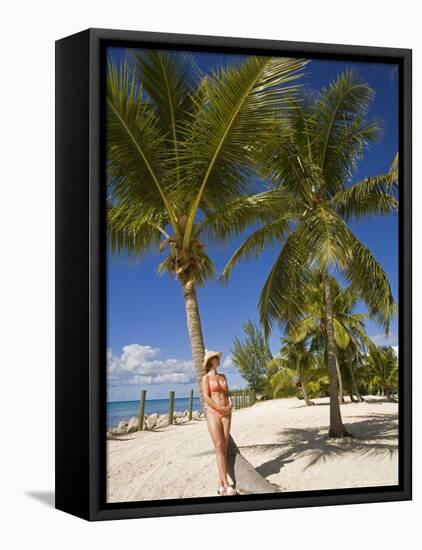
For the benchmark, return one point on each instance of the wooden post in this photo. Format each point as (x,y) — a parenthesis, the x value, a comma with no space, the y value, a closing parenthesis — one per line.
(171,407)
(142,410)
(190,404)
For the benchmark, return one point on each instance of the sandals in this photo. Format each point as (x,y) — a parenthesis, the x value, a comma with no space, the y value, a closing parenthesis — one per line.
(231,491)
(221,491)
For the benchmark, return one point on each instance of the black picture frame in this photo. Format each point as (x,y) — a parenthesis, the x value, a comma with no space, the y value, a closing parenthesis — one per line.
(80,383)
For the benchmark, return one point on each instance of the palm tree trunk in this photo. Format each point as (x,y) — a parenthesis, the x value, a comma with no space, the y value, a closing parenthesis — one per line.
(242,473)
(340,382)
(354,384)
(304,392)
(337,428)
(195,333)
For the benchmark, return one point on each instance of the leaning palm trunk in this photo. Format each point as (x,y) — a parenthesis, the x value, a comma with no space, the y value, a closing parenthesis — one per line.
(304,392)
(195,332)
(389,394)
(242,473)
(337,428)
(355,389)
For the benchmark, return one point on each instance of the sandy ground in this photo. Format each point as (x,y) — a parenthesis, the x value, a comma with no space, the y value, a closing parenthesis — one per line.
(285,441)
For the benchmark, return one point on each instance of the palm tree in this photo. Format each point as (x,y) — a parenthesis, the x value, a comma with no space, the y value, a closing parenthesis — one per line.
(297,366)
(349,326)
(300,358)
(382,366)
(350,363)
(180,153)
(282,379)
(311,164)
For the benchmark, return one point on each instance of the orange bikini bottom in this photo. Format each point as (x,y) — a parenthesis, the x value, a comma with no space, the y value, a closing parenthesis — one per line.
(214,412)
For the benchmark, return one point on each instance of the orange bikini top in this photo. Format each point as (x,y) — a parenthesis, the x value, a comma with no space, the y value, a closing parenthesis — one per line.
(216,386)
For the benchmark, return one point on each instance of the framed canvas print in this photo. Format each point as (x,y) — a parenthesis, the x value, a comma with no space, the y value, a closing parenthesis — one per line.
(233,274)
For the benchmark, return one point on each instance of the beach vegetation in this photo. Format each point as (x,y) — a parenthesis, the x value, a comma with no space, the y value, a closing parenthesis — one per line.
(311,163)
(251,356)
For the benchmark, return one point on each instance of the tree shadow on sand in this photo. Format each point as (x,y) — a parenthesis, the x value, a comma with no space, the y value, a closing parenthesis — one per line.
(375,435)
(370,400)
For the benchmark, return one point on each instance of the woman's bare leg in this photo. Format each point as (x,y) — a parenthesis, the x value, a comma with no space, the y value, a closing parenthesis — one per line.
(215,428)
(226,422)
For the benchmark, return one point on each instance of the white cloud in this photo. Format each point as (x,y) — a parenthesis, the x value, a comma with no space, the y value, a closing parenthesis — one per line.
(385,340)
(228,364)
(138,364)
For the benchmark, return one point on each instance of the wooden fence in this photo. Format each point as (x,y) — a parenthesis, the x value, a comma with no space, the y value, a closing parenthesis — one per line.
(240,399)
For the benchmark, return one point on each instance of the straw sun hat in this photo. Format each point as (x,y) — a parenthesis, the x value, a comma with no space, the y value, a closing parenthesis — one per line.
(209,355)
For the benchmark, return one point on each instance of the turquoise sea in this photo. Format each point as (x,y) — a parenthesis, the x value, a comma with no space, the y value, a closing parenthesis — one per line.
(123,410)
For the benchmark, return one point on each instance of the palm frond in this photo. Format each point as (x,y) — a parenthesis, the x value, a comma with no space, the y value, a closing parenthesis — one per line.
(367,274)
(283,381)
(341,335)
(281,300)
(341,130)
(327,237)
(169,80)
(304,328)
(135,153)
(286,166)
(132,231)
(345,299)
(287,160)
(394,172)
(232,218)
(255,244)
(371,196)
(239,108)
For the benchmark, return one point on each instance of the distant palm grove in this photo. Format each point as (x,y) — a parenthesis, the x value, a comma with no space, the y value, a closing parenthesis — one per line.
(194,159)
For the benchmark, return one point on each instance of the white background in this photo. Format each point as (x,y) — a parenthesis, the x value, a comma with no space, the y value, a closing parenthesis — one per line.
(29,30)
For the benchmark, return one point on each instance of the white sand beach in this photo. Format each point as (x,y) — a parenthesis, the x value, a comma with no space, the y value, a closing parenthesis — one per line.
(285,440)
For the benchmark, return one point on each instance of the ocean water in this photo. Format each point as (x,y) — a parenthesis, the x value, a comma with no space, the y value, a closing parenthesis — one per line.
(123,410)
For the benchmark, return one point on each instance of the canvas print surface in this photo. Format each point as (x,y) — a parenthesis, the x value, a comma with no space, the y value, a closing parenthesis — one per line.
(252,274)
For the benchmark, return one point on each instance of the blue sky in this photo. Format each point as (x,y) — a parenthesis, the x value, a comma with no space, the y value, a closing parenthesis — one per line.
(147,340)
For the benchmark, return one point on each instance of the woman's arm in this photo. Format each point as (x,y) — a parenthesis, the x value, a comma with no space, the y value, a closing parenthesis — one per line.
(206,394)
(228,394)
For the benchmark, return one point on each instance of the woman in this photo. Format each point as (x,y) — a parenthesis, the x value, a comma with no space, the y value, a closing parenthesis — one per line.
(218,407)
